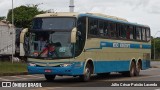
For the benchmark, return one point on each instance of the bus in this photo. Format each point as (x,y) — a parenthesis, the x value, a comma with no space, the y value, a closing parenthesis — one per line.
(73,44)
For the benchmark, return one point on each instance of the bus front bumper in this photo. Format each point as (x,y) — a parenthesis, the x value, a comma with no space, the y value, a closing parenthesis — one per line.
(68,71)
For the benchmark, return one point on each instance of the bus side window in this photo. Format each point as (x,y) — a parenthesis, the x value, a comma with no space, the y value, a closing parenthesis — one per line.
(90,26)
(113,30)
(143,34)
(148,34)
(106,29)
(123,31)
(81,35)
(138,33)
(130,32)
(118,30)
(134,32)
(93,27)
(101,28)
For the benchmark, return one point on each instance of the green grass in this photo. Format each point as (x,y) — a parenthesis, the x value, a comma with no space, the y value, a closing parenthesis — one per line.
(8,67)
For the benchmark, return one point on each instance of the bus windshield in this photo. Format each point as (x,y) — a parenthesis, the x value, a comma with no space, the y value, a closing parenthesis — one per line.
(53,23)
(50,45)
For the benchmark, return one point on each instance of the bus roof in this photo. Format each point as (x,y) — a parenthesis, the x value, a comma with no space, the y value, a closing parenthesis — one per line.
(67,14)
(112,18)
(95,15)
(108,16)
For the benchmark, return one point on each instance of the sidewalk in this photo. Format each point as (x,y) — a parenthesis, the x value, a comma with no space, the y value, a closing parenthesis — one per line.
(155,64)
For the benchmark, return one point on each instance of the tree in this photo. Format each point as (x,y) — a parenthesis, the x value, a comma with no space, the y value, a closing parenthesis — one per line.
(157,47)
(23,15)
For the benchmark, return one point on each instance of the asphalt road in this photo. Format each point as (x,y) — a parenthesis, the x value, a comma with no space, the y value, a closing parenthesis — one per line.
(96,83)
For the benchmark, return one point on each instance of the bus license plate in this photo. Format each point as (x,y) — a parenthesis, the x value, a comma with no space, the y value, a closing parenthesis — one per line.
(48,71)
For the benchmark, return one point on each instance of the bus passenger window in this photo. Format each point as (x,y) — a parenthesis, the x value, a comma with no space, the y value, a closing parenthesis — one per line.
(113,30)
(101,28)
(138,33)
(143,34)
(148,34)
(123,32)
(93,27)
(106,29)
(118,30)
(130,32)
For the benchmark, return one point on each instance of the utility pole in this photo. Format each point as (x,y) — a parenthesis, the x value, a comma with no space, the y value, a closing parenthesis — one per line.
(12,29)
(71,6)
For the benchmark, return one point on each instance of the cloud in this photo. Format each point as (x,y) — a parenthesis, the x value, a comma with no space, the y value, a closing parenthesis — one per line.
(140,11)
(154,7)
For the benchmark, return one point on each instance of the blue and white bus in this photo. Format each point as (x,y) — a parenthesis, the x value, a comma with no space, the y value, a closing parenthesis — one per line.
(73,44)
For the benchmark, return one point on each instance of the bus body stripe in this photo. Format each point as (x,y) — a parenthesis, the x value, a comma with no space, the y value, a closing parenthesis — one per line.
(121,45)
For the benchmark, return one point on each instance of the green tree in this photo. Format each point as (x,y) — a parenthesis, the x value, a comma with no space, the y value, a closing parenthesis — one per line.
(23,15)
(157,47)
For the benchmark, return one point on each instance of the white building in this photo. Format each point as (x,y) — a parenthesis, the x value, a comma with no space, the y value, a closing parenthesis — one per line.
(7,38)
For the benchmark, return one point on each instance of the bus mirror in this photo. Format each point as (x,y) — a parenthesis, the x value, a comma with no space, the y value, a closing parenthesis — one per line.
(73,35)
(22,37)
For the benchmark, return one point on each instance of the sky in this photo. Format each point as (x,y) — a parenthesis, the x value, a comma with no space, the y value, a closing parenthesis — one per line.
(145,12)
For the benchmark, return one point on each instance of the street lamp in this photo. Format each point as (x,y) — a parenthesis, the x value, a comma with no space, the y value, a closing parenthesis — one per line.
(154,45)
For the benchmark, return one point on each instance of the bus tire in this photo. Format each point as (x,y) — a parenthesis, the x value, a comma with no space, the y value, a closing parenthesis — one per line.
(87,74)
(132,70)
(50,77)
(138,69)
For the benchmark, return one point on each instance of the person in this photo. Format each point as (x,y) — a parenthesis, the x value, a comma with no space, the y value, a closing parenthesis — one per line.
(50,50)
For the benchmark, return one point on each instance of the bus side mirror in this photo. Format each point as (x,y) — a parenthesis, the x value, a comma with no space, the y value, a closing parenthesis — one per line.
(22,37)
(73,35)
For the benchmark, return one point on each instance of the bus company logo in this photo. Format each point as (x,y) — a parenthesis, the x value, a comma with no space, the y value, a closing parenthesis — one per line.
(121,45)
(6,84)
(116,45)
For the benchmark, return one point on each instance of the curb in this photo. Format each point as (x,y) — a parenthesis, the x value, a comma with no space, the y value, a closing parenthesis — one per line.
(155,66)
(13,74)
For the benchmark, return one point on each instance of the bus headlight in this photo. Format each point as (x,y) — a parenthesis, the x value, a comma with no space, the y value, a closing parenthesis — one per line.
(32,64)
(65,65)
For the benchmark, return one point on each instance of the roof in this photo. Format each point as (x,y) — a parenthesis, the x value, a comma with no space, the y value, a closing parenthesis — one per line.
(108,16)
(98,15)
(58,14)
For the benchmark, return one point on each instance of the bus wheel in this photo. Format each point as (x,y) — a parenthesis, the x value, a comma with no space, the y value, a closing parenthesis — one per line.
(138,69)
(132,70)
(50,77)
(87,74)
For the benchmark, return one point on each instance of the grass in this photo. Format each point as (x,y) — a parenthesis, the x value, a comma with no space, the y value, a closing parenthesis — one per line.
(8,67)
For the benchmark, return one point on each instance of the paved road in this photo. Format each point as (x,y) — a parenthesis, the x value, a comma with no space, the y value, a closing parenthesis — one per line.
(96,83)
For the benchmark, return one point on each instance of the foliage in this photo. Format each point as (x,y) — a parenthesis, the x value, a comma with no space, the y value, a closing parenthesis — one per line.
(23,15)
(157,47)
